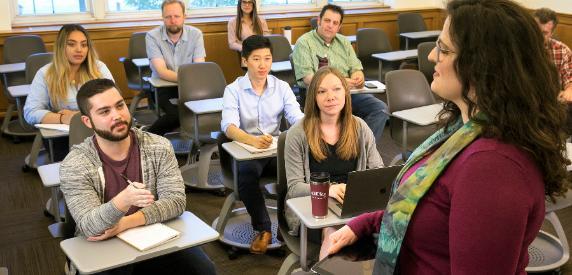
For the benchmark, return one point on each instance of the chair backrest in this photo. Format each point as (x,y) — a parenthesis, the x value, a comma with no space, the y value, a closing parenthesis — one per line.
(34,62)
(137,46)
(281,184)
(78,131)
(314,22)
(425,66)
(281,48)
(410,22)
(197,81)
(18,48)
(370,41)
(407,89)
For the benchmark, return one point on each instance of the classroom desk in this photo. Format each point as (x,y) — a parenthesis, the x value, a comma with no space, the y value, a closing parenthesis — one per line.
(19,92)
(140,63)
(393,57)
(365,90)
(202,107)
(352,38)
(91,257)
(11,68)
(302,207)
(418,35)
(423,116)
(157,83)
(50,176)
(50,134)
(281,66)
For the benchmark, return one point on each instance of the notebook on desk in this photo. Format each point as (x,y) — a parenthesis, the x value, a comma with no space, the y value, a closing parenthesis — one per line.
(58,127)
(366,191)
(148,236)
(254,150)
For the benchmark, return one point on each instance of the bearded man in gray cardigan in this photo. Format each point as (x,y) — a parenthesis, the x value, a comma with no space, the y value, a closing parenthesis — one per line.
(122,178)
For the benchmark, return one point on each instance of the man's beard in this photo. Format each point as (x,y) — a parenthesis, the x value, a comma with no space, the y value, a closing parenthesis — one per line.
(174,29)
(108,135)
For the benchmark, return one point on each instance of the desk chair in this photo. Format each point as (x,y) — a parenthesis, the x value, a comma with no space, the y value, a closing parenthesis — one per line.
(299,92)
(548,252)
(370,41)
(409,22)
(199,81)
(78,133)
(281,50)
(36,157)
(407,89)
(425,66)
(135,80)
(314,23)
(233,224)
(292,242)
(16,50)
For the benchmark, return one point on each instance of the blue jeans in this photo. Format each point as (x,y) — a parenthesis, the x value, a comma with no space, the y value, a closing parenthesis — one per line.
(372,110)
(188,261)
(249,174)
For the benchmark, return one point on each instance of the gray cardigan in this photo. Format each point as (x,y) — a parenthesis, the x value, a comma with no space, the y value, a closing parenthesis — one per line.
(296,156)
(83,184)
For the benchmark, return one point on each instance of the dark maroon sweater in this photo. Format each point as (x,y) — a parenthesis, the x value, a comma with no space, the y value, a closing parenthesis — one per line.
(479,217)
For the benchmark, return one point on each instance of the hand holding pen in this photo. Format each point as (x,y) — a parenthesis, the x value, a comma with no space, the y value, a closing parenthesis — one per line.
(133,195)
(263,141)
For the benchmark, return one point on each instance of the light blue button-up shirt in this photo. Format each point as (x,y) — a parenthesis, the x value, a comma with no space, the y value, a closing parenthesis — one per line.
(38,102)
(246,110)
(189,47)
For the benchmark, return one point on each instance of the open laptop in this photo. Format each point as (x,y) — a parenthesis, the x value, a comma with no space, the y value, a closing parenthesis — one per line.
(366,191)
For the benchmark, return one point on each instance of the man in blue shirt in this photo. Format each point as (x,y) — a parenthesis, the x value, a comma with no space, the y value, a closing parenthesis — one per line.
(253,107)
(169,46)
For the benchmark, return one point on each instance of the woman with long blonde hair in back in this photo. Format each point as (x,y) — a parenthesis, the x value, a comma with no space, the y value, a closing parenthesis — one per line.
(55,86)
(328,139)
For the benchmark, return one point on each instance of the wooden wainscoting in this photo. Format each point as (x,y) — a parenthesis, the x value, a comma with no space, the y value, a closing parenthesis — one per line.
(112,39)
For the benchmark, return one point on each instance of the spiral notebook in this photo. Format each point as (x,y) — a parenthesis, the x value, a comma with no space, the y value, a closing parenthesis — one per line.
(148,236)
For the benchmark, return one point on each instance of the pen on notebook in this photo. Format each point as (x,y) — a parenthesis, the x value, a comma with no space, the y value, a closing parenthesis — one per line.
(262,132)
(129,181)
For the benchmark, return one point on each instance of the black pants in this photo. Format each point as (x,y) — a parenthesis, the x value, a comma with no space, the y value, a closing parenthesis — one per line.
(60,146)
(170,120)
(249,191)
(189,261)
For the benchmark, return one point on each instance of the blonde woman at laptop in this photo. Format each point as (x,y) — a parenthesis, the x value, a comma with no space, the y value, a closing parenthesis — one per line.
(471,198)
(328,139)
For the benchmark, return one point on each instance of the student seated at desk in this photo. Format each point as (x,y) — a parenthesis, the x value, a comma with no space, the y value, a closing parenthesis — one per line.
(471,198)
(52,97)
(246,23)
(252,102)
(169,46)
(328,139)
(94,180)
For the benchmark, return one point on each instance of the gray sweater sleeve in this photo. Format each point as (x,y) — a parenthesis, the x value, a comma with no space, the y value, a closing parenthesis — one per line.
(295,158)
(81,186)
(170,189)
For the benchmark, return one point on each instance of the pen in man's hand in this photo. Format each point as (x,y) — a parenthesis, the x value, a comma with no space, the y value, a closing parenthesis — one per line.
(262,132)
(129,181)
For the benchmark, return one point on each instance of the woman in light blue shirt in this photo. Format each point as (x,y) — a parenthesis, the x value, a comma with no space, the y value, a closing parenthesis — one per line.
(55,86)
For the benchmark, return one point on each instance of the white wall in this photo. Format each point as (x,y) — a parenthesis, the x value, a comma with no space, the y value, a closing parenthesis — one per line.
(407,4)
(561,6)
(5,17)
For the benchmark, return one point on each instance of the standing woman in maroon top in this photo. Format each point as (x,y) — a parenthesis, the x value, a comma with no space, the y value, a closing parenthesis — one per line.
(470,199)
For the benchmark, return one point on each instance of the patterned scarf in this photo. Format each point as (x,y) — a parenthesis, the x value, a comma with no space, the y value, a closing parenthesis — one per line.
(407,195)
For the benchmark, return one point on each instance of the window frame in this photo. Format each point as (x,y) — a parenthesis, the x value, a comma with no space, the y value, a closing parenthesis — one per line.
(99,11)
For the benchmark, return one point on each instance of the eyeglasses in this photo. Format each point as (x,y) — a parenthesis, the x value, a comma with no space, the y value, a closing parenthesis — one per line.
(246,3)
(441,50)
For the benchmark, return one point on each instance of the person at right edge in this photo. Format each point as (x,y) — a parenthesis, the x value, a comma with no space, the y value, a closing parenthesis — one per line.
(471,198)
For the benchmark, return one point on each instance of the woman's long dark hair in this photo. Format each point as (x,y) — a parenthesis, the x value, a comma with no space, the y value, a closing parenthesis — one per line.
(256,25)
(500,52)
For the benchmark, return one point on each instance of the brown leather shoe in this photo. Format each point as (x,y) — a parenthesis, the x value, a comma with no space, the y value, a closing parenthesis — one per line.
(260,242)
